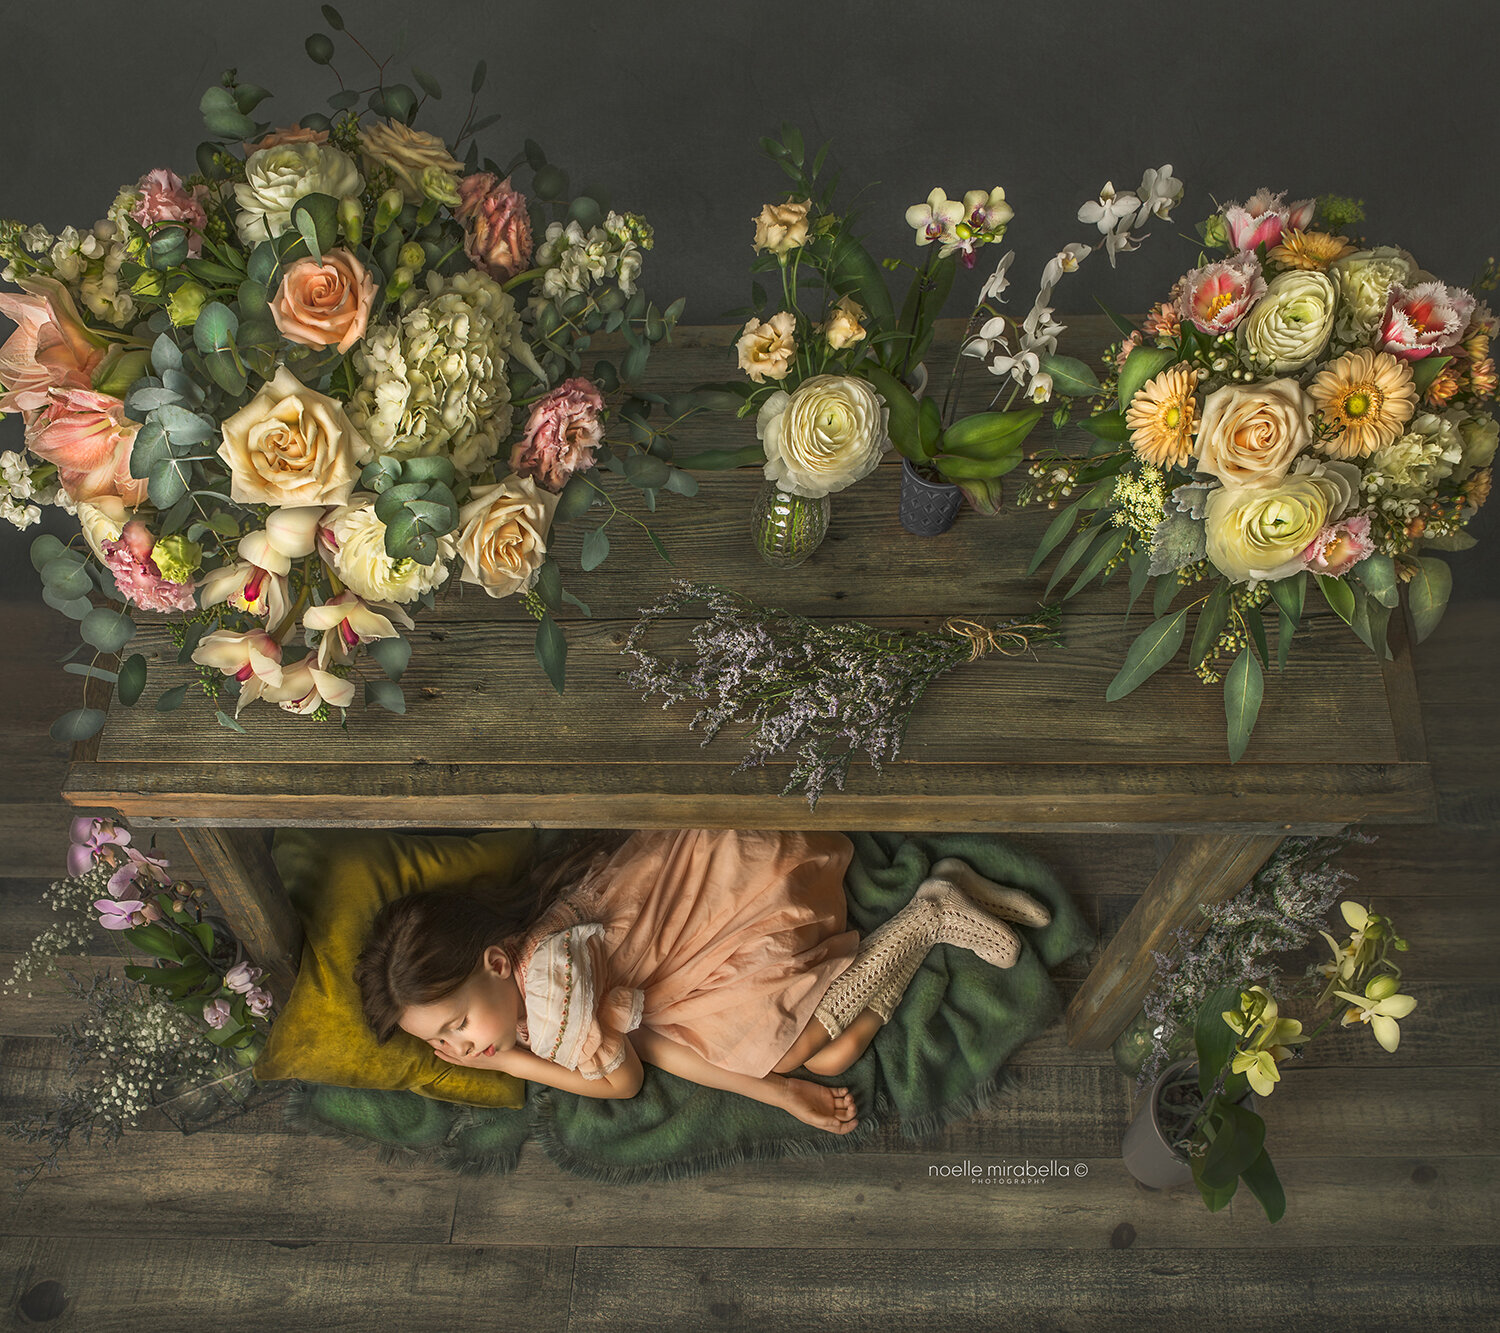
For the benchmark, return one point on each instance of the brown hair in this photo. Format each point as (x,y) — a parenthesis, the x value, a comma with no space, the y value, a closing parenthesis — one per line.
(426,945)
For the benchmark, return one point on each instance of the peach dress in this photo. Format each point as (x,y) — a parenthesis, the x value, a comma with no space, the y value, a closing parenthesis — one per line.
(721,940)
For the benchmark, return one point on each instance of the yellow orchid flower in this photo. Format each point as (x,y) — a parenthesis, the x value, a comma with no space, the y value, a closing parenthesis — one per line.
(1259,1068)
(1380,1006)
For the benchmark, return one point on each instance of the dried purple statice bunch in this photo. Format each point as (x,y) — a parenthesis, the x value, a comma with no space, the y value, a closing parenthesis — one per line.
(826,690)
(1278,912)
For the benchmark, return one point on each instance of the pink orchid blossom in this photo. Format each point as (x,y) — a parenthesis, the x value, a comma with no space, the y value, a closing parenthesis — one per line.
(242,977)
(216,1013)
(1217,296)
(1339,547)
(120,915)
(1430,317)
(258,1001)
(133,868)
(90,834)
(162,199)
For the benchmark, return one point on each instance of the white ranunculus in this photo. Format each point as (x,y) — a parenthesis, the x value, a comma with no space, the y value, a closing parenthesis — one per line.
(1262,534)
(275,178)
(827,435)
(1364,281)
(359,556)
(1291,324)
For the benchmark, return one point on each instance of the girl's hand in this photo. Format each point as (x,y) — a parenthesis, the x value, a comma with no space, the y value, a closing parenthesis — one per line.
(476,1061)
(825,1108)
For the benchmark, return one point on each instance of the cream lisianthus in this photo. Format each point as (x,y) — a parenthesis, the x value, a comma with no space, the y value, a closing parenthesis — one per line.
(842,328)
(827,435)
(275,178)
(1250,434)
(766,350)
(407,154)
(358,556)
(502,535)
(1291,324)
(1261,534)
(782,228)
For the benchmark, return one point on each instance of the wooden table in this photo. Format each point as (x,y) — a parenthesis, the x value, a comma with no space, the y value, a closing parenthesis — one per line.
(1002,745)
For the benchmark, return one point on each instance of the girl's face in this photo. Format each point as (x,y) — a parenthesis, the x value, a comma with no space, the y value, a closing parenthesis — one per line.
(479,1018)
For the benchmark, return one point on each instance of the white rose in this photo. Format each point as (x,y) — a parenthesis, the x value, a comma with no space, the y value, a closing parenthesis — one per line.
(502,534)
(1249,434)
(825,436)
(1364,281)
(275,178)
(1291,324)
(359,556)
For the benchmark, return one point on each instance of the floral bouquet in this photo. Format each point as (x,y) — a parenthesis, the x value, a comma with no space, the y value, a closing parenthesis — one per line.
(836,372)
(288,395)
(1299,407)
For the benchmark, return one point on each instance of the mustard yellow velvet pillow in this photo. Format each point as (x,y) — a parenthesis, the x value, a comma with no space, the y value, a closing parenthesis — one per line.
(338,880)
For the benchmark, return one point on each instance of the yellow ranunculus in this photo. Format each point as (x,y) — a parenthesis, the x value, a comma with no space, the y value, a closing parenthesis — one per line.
(1261,534)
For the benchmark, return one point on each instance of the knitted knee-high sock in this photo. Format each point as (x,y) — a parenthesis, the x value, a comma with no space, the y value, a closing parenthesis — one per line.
(889,956)
(1001,900)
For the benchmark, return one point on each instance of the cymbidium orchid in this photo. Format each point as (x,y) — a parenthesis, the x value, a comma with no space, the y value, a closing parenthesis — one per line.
(304,688)
(346,621)
(253,659)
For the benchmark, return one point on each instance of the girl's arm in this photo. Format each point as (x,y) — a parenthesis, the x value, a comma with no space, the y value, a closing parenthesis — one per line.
(621,1083)
(687,1063)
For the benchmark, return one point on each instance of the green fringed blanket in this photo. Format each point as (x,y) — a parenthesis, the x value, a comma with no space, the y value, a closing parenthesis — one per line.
(941,1057)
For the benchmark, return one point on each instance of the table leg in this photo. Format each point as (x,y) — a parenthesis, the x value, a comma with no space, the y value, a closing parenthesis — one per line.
(237,867)
(1201,868)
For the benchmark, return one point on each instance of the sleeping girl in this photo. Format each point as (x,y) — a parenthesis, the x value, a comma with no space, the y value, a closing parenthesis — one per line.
(721,956)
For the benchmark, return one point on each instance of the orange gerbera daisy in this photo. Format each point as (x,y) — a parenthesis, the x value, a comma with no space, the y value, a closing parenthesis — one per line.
(1310,249)
(1162,417)
(1368,396)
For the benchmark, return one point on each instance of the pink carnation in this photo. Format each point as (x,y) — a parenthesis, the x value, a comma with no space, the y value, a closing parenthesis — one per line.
(164,199)
(1337,549)
(137,576)
(560,435)
(1217,296)
(287,134)
(497,227)
(1429,318)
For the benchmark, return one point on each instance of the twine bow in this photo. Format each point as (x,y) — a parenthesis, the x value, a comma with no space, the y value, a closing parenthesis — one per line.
(1009,640)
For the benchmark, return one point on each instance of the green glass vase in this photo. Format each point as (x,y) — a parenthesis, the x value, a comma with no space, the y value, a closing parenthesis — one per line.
(787,528)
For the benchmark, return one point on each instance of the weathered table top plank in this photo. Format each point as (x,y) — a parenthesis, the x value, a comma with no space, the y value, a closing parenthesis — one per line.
(1027,741)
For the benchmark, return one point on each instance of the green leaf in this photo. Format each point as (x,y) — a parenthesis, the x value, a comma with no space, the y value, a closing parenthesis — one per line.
(227,722)
(1143,364)
(1371,622)
(319,48)
(1265,1184)
(646,470)
(1241,1139)
(387,694)
(91,672)
(1164,594)
(1156,645)
(1107,426)
(1257,628)
(682,483)
(392,655)
(1213,1039)
(595,549)
(656,542)
(990,435)
(333,18)
(1076,548)
(477,82)
(1289,595)
(1140,575)
(166,484)
(1425,371)
(1056,531)
(107,630)
(1070,376)
(1211,619)
(155,940)
(78,725)
(1378,574)
(1339,596)
(714,460)
(132,680)
(215,328)
(1243,688)
(429,468)
(552,651)
(929,426)
(1285,629)
(75,608)
(903,419)
(1106,548)
(1427,595)
(1119,321)
(47,548)
(983,494)
(1217,1199)
(577,498)
(67,579)
(169,700)
(427,83)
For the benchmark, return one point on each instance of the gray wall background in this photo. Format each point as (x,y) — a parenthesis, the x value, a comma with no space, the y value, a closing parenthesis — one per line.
(662,103)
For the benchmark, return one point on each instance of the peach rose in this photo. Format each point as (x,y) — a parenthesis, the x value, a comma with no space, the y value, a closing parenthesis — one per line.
(88,437)
(324,304)
(766,350)
(290,446)
(502,535)
(1249,434)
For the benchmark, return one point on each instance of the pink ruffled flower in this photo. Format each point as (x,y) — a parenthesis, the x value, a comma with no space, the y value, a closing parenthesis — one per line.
(50,349)
(134,867)
(89,438)
(90,834)
(138,578)
(1429,318)
(561,434)
(1217,296)
(120,915)
(497,227)
(287,134)
(216,1013)
(162,198)
(1337,549)
(1262,218)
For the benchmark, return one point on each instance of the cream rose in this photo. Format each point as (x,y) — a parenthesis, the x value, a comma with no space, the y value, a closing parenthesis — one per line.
(324,303)
(782,227)
(1262,534)
(406,153)
(1364,281)
(843,328)
(1249,434)
(502,534)
(1291,324)
(102,520)
(275,178)
(290,445)
(766,350)
(825,436)
(356,538)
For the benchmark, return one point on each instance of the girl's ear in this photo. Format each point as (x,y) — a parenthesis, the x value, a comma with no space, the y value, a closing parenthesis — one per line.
(497,960)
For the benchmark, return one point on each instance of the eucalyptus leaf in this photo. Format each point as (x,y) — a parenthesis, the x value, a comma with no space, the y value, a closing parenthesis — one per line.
(67,579)
(78,725)
(392,655)
(552,652)
(132,680)
(1211,620)
(1153,648)
(1108,545)
(166,484)
(227,722)
(1427,595)
(75,608)
(646,470)
(91,672)
(215,328)
(387,694)
(1289,595)
(1140,575)
(1339,596)
(577,498)
(1243,688)
(169,700)
(47,548)
(1378,574)
(107,630)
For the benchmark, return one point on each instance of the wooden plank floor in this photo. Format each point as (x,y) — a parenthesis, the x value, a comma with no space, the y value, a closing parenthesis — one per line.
(1392,1164)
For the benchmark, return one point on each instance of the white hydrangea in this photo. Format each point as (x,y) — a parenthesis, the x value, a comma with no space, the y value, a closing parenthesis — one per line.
(16,491)
(436,382)
(1408,471)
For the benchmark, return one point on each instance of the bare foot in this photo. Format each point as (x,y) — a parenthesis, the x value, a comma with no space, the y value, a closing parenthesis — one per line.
(824,1108)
